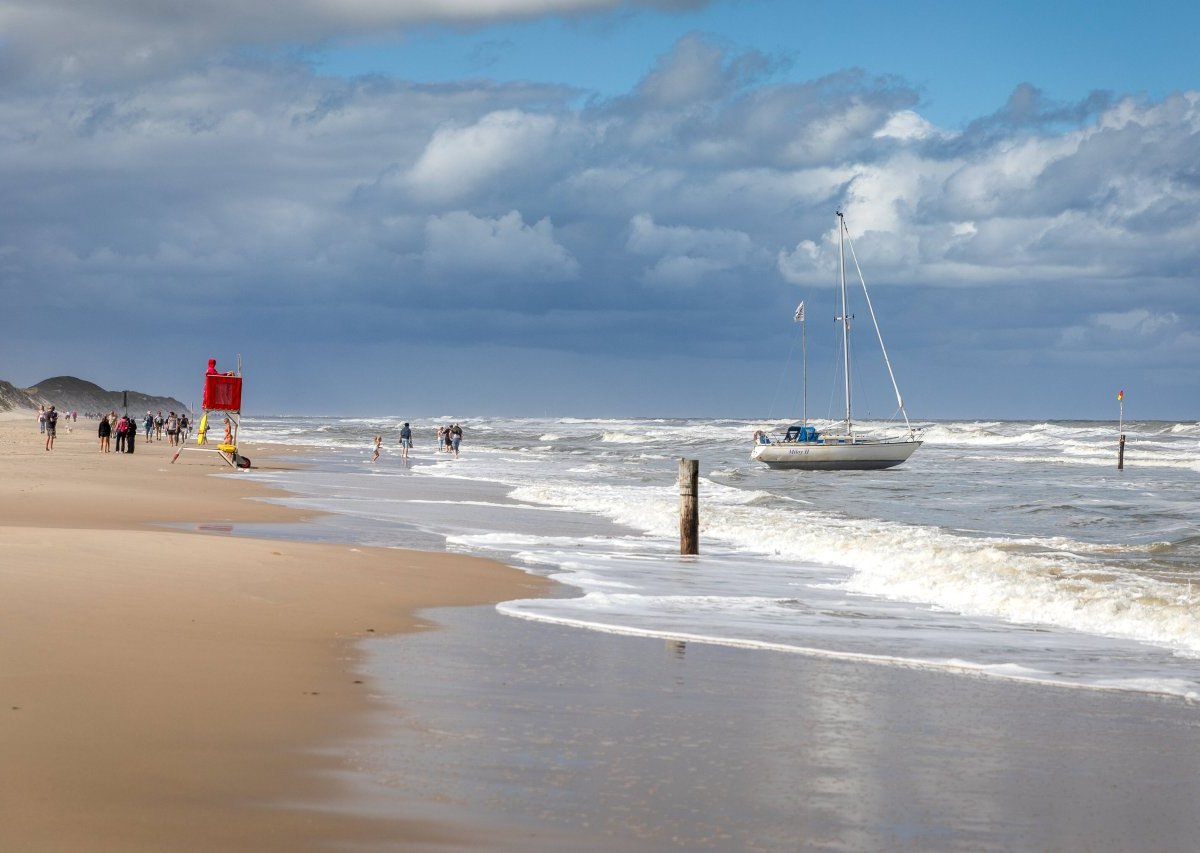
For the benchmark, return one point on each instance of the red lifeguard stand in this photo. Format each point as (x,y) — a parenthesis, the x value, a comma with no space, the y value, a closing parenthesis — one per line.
(223,394)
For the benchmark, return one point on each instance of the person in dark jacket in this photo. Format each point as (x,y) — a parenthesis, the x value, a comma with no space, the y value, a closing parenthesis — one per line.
(105,432)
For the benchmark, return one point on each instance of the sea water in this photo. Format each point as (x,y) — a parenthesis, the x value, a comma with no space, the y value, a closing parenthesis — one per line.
(1010,550)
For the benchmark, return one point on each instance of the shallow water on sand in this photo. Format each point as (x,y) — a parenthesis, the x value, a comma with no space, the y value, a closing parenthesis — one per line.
(623,743)
(1010,549)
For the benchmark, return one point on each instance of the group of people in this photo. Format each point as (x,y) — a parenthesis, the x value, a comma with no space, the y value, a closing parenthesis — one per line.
(48,423)
(70,417)
(125,428)
(448,440)
(176,427)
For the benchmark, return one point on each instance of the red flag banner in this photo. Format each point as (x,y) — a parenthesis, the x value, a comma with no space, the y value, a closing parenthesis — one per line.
(1120,395)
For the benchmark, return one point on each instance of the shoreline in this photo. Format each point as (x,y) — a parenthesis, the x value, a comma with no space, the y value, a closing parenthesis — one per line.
(167,688)
(509,734)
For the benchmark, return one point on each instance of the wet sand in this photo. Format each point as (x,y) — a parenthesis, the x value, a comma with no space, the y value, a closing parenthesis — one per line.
(636,744)
(566,739)
(183,691)
(186,689)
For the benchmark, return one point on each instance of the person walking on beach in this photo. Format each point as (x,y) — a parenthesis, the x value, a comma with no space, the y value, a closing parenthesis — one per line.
(105,431)
(172,429)
(41,420)
(405,440)
(122,432)
(455,438)
(378,448)
(148,424)
(51,427)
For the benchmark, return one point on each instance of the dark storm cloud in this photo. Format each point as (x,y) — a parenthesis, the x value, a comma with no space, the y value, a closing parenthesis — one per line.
(97,44)
(236,200)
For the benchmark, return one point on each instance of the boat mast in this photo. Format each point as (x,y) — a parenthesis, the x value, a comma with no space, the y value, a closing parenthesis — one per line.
(845,318)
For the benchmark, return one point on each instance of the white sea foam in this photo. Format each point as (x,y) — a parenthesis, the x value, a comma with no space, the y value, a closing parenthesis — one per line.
(623,438)
(1002,549)
(1182,688)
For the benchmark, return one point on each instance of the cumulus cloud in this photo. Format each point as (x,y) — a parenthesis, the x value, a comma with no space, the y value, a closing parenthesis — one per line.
(1137,321)
(907,125)
(648,238)
(320,203)
(684,255)
(710,107)
(702,168)
(508,144)
(504,248)
(1156,338)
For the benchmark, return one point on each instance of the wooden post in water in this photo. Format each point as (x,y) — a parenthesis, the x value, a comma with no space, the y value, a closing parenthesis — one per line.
(1121,431)
(689,506)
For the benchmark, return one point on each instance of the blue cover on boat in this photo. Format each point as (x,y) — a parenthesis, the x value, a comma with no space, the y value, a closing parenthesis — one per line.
(801,433)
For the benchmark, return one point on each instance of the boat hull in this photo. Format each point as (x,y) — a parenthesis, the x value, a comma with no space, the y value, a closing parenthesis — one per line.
(847,456)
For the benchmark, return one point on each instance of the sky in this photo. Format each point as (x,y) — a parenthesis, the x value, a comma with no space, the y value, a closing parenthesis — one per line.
(605,208)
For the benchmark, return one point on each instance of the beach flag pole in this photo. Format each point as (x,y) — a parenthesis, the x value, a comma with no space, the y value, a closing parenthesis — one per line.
(1121,430)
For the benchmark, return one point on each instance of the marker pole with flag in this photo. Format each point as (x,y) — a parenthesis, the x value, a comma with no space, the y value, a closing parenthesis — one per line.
(803,362)
(1121,431)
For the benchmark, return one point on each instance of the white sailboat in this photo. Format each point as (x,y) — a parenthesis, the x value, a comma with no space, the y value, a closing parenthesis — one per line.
(844,449)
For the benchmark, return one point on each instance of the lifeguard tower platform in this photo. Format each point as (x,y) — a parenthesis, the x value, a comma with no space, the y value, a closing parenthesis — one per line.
(223,397)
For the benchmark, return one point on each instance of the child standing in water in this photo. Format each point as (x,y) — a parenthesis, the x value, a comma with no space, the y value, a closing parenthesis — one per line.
(378,448)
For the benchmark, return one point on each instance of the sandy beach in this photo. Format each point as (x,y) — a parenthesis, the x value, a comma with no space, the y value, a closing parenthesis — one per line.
(169,684)
(173,689)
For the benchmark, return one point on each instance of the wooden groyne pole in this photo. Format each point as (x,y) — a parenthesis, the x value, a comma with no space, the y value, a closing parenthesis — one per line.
(689,506)
(1121,431)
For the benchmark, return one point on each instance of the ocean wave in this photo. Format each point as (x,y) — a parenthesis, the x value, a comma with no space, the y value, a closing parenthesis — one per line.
(569,613)
(624,438)
(1016,525)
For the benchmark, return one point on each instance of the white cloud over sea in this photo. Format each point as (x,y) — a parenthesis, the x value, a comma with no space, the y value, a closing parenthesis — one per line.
(166,187)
